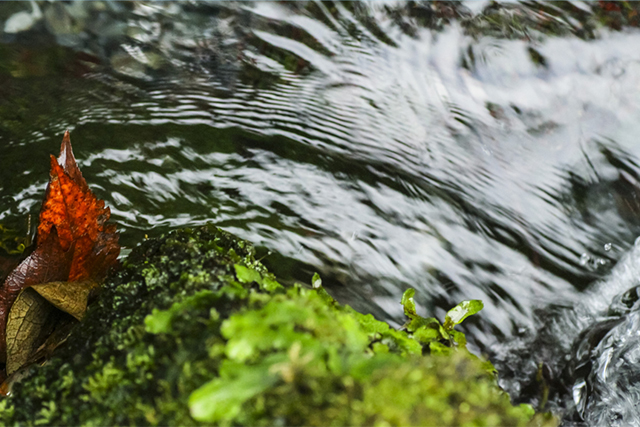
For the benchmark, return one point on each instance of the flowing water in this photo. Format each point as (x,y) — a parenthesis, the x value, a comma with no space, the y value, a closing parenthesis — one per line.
(468,150)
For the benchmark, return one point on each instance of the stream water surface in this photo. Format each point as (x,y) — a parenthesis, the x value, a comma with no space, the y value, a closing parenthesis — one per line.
(468,150)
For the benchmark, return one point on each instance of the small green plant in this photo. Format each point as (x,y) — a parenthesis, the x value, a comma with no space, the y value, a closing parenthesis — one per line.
(437,337)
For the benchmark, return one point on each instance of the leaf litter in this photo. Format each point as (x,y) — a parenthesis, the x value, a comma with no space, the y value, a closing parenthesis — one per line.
(52,287)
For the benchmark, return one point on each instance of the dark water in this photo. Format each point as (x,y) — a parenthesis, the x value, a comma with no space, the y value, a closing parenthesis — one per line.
(468,150)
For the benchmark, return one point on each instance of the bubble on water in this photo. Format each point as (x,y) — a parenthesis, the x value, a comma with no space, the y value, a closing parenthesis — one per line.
(584,259)
(607,246)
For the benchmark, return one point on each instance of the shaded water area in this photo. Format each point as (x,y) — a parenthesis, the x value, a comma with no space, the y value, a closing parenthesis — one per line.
(468,150)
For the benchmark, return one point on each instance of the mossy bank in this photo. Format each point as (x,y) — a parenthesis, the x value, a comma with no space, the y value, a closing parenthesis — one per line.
(193,330)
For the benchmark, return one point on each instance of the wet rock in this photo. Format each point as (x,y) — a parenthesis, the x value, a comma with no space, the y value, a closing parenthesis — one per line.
(125,63)
(194,331)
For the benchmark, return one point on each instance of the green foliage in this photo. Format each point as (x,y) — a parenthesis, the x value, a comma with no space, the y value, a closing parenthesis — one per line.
(248,275)
(457,314)
(13,242)
(194,331)
(439,338)
(222,399)
(296,358)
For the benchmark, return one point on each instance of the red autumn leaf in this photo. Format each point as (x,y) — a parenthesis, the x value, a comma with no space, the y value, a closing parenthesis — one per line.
(73,242)
(79,217)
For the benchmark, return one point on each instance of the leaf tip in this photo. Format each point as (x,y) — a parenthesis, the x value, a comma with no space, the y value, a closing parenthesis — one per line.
(65,149)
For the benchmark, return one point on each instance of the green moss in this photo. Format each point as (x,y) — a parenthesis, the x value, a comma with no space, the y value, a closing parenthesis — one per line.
(193,330)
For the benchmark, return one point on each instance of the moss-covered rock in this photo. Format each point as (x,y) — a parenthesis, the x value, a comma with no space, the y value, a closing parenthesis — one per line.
(193,330)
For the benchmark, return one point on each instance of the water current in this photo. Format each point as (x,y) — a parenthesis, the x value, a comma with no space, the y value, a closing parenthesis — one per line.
(468,150)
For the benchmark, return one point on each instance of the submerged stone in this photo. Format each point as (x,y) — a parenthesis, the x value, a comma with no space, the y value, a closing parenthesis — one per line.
(193,330)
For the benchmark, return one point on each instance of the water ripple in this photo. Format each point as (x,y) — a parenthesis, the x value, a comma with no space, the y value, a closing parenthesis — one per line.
(472,150)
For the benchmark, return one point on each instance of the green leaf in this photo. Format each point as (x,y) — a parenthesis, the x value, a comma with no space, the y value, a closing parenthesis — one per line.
(440,349)
(326,297)
(222,398)
(159,321)
(316,281)
(380,348)
(488,367)
(418,322)
(427,335)
(458,338)
(369,323)
(457,314)
(400,342)
(271,285)
(247,275)
(408,303)
(527,409)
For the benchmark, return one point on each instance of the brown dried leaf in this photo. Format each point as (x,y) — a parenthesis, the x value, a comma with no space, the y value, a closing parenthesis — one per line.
(59,335)
(74,243)
(48,263)
(70,297)
(27,326)
(7,265)
(29,320)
